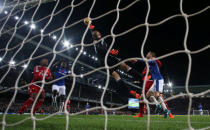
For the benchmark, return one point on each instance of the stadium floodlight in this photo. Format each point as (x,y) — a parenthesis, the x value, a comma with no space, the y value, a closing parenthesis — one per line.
(1,59)
(33,26)
(170,84)
(25,66)
(99,86)
(66,43)
(16,17)
(54,37)
(42,30)
(26,22)
(11,63)
(5,12)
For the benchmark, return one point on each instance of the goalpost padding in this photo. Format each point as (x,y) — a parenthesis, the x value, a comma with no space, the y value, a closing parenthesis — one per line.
(26,39)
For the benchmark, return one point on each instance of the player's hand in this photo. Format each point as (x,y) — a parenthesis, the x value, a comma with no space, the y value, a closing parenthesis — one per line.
(114,52)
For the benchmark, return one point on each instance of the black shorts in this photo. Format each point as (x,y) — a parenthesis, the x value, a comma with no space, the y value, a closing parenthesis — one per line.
(113,60)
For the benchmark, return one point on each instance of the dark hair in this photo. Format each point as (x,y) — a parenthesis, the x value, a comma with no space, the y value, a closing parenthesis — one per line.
(94,34)
(152,53)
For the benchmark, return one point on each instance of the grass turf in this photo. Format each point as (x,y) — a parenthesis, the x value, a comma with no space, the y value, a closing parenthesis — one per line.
(96,122)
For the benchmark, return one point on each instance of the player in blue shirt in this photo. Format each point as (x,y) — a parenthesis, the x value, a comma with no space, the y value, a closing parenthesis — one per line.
(200,109)
(157,87)
(87,107)
(59,88)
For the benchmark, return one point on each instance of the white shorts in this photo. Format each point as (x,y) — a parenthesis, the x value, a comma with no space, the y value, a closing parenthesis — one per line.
(60,89)
(157,86)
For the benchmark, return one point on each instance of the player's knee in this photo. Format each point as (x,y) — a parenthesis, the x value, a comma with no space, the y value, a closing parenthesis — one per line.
(157,94)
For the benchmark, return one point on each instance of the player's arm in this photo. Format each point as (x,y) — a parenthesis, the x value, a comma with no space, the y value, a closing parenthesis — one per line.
(159,63)
(49,75)
(149,61)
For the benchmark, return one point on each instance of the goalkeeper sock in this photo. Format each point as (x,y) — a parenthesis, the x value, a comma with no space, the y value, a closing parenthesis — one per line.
(27,103)
(38,105)
(160,99)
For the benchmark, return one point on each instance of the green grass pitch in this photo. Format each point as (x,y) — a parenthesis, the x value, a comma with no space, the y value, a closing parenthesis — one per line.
(115,122)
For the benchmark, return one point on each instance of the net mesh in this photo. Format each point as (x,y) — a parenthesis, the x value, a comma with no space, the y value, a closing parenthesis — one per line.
(21,7)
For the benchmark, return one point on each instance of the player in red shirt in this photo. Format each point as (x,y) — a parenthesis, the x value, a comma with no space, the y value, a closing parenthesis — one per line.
(34,89)
(147,87)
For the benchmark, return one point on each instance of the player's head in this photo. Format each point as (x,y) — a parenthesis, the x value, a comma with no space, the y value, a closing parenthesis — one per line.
(44,62)
(150,55)
(63,64)
(96,35)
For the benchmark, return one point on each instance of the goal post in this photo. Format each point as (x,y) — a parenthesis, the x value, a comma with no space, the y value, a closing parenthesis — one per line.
(200,112)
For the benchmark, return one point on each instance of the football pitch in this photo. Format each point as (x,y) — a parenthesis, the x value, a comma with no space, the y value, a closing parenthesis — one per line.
(115,122)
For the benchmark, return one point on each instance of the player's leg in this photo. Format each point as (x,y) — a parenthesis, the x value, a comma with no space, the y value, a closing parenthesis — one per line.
(55,90)
(148,85)
(40,101)
(159,89)
(122,88)
(30,100)
(131,71)
(150,95)
(170,114)
(62,94)
(26,104)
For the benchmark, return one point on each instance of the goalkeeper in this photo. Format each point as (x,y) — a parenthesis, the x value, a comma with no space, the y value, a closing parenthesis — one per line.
(112,59)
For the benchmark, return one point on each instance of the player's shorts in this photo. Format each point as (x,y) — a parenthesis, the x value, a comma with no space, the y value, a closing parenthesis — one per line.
(60,89)
(34,89)
(157,86)
(112,60)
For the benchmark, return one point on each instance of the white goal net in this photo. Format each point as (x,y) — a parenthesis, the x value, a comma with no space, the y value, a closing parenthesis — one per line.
(200,112)
(35,29)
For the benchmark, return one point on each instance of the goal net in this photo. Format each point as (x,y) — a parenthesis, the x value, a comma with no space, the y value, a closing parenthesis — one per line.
(54,29)
(200,112)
